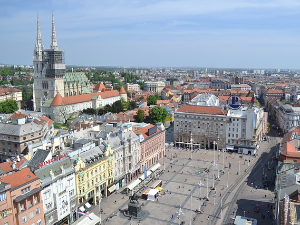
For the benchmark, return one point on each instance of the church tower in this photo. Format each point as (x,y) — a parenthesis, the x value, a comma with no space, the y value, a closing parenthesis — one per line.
(49,69)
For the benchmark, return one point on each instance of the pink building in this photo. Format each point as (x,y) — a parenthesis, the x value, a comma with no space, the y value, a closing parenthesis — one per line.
(152,145)
(20,199)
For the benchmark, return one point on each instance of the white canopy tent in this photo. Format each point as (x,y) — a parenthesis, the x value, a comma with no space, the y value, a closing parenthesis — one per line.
(83,220)
(133,184)
(155,167)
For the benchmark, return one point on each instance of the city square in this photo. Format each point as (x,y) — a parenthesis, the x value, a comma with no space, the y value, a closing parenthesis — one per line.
(191,195)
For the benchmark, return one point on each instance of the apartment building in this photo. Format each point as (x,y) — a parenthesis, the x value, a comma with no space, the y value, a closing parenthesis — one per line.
(133,87)
(244,129)
(93,174)
(59,190)
(15,137)
(200,127)
(152,144)
(20,199)
(11,93)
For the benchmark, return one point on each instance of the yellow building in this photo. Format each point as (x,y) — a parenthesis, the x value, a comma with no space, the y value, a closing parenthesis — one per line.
(94,174)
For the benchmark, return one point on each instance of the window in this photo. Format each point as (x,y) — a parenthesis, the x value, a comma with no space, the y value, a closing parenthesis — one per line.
(38,211)
(31,215)
(71,193)
(25,190)
(39,222)
(24,219)
(2,197)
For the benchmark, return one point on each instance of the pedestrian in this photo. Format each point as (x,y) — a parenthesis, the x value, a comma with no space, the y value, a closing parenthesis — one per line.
(172,217)
(115,202)
(265,196)
(268,212)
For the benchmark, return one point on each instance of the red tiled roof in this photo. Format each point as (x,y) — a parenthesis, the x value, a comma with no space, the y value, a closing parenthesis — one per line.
(99,87)
(202,110)
(18,115)
(162,101)
(47,120)
(7,166)
(122,90)
(144,131)
(274,91)
(18,178)
(59,100)
(5,90)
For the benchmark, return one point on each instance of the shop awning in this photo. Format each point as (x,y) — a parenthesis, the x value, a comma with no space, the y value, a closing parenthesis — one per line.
(230,147)
(142,177)
(155,167)
(84,220)
(112,188)
(88,205)
(133,184)
(82,209)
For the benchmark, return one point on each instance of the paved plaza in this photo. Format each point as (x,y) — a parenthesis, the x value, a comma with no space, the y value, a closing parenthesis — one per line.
(179,199)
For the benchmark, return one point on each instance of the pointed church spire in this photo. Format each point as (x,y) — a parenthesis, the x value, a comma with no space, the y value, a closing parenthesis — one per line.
(53,38)
(38,45)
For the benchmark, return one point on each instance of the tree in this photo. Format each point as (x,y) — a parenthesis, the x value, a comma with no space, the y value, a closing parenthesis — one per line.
(157,97)
(268,127)
(140,115)
(158,114)
(8,106)
(117,107)
(151,100)
(132,105)
(125,105)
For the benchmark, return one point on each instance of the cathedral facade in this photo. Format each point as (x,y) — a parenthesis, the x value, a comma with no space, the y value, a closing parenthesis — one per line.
(50,77)
(61,95)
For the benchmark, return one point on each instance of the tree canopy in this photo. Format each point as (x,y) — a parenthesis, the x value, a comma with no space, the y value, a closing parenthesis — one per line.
(140,115)
(158,114)
(151,100)
(8,106)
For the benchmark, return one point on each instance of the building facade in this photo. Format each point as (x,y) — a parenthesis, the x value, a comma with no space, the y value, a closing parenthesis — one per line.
(50,75)
(154,86)
(94,174)
(200,127)
(24,199)
(15,138)
(133,87)
(152,144)
(11,93)
(244,129)
(59,191)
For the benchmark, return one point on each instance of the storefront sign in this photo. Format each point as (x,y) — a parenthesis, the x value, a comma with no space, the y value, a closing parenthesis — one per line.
(50,161)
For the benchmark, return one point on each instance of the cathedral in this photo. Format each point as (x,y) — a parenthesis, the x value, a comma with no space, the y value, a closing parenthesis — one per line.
(50,75)
(60,95)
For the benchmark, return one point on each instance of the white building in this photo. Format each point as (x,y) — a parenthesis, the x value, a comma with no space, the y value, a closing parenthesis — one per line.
(288,117)
(244,130)
(205,100)
(59,191)
(126,148)
(241,87)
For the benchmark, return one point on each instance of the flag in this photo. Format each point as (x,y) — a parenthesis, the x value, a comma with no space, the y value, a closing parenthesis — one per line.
(84,214)
(145,171)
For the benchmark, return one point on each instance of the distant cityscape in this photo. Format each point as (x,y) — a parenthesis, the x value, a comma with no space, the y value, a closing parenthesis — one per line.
(117,145)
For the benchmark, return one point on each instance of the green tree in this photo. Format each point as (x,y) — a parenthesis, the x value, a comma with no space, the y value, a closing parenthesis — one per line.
(117,107)
(151,100)
(157,97)
(158,114)
(268,127)
(140,115)
(8,106)
(125,105)
(132,105)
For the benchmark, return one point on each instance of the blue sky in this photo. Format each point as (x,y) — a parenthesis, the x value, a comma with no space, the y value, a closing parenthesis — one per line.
(157,33)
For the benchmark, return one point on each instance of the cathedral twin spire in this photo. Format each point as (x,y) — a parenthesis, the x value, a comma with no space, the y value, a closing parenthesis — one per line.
(39,46)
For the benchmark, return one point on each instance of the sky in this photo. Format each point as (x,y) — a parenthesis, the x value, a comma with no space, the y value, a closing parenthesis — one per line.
(156,33)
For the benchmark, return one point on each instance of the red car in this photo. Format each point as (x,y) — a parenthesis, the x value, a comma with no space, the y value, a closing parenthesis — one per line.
(256,208)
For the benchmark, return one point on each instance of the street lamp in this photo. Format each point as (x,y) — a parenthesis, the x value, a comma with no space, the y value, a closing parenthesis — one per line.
(207,187)
(239,167)
(100,198)
(200,183)
(214,143)
(223,160)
